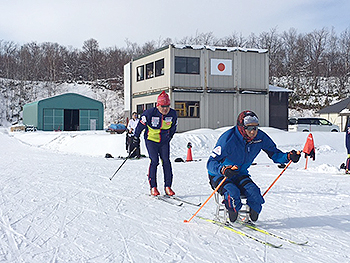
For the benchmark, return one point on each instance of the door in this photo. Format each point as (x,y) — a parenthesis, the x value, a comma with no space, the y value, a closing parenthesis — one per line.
(71,120)
(93,124)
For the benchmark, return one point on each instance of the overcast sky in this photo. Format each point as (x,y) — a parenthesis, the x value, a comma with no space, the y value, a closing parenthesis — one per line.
(111,22)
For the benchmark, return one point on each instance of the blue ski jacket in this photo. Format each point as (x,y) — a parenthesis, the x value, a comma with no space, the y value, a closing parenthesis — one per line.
(232,149)
(159,128)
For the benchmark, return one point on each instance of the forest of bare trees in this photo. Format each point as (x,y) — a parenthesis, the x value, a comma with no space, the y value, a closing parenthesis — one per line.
(311,64)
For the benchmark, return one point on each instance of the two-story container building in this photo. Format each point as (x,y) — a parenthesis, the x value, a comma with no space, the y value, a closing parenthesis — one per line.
(208,86)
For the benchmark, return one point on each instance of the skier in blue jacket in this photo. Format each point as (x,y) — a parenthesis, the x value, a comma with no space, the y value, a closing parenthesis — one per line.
(233,154)
(160,125)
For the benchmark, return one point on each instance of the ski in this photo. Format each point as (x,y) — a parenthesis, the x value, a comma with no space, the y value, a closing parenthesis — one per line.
(132,158)
(255,228)
(233,229)
(168,200)
(183,201)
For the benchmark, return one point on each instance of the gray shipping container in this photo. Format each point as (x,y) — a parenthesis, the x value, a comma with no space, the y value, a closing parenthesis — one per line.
(208,86)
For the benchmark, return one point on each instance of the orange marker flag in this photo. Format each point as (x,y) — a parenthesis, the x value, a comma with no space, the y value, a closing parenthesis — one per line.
(309,148)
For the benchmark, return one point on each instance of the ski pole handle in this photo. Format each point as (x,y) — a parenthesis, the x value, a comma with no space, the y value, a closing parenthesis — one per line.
(206,201)
(285,168)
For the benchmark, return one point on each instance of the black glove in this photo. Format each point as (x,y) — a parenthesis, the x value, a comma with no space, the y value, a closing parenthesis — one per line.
(294,156)
(311,154)
(135,140)
(229,171)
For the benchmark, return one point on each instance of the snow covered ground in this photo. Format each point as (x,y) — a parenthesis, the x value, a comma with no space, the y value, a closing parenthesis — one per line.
(57,203)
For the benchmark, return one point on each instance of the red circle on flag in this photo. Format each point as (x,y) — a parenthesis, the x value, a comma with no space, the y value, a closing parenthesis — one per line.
(221,66)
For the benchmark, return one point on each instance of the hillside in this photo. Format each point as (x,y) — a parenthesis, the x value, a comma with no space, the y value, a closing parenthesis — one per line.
(15,94)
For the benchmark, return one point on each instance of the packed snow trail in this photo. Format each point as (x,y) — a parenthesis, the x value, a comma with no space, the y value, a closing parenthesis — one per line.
(57,203)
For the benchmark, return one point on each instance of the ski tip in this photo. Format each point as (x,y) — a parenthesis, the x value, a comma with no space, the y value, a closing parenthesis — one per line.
(301,243)
(186,221)
(277,246)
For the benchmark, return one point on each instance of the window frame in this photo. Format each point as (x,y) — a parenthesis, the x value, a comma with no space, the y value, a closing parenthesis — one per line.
(159,67)
(150,70)
(140,76)
(188,67)
(140,108)
(183,65)
(149,105)
(187,109)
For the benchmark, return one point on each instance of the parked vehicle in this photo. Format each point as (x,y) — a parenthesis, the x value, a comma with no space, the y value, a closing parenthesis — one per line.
(311,124)
(116,128)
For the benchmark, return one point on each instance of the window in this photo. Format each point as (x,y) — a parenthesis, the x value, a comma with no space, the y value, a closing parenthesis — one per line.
(292,121)
(139,109)
(149,105)
(153,69)
(324,122)
(304,121)
(186,65)
(187,109)
(140,73)
(159,67)
(149,70)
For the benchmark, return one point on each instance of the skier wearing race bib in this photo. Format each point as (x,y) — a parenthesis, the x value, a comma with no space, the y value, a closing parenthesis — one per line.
(160,125)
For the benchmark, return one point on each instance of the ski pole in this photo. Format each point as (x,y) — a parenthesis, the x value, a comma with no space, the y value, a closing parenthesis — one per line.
(306,162)
(122,163)
(216,189)
(285,168)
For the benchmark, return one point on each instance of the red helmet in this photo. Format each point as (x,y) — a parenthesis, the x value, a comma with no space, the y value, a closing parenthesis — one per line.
(163,99)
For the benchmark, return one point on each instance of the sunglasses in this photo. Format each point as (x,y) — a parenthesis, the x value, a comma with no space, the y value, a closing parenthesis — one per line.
(165,106)
(251,127)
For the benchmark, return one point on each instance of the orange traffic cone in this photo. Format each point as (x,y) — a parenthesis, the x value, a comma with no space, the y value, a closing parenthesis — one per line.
(189,152)
(309,149)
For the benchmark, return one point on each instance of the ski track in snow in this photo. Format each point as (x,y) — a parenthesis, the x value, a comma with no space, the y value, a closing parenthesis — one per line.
(58,204)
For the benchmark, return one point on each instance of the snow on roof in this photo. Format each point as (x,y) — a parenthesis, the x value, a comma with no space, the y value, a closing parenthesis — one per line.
(278,89)
(214,48)
(345,111)
(336,107)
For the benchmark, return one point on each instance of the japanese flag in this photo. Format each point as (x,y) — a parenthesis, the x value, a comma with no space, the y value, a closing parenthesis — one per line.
(221,67)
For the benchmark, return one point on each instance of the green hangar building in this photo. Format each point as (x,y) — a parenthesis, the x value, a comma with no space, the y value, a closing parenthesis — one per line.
(66,112)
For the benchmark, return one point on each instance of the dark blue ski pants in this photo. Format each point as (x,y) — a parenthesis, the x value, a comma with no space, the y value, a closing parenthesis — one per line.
(156,150)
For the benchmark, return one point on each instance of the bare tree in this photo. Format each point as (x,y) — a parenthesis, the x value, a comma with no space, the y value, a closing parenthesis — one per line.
(234,40)
(273,43)
(9,57)
(316,48)
(91,59)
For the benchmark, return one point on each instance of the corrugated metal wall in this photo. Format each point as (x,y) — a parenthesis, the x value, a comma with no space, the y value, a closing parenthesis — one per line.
(187,80)
(254,73)
(220,111)
(257,103)
(218,107)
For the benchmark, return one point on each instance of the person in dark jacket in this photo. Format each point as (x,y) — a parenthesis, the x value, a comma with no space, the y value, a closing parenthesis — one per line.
(347,144)
(233,154)
(160,125)
(130,145)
